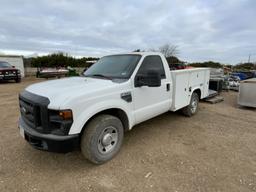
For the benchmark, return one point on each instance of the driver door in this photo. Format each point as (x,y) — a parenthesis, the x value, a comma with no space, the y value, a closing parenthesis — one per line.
(151,101)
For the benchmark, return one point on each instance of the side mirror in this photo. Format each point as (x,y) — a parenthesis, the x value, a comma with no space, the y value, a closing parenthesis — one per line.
(151,79)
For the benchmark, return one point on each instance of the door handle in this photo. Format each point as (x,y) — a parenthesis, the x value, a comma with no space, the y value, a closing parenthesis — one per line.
(168,87)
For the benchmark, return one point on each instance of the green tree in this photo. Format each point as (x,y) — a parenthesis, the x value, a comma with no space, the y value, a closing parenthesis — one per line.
(173,60)
(211,64)
(244,66)
(61,60)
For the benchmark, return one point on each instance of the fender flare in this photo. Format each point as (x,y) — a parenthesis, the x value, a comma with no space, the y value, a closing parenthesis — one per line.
(93,110)
(195,89)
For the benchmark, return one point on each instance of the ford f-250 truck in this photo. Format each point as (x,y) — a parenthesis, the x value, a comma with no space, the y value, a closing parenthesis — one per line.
(93,111)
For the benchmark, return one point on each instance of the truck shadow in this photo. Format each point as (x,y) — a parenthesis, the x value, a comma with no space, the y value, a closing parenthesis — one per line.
(246,108)
(132,139)
(7,82)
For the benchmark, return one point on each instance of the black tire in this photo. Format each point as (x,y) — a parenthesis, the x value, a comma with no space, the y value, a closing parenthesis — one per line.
(192,108)
(18,80)
(92,140)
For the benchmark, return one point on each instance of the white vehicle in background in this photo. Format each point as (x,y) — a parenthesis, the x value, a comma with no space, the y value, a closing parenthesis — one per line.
(116,93)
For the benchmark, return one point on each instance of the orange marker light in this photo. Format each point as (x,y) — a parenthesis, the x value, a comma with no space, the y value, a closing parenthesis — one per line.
(67,114)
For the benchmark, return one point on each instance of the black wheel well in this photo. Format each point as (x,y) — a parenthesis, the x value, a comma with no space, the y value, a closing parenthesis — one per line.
(119,113)
(198,92)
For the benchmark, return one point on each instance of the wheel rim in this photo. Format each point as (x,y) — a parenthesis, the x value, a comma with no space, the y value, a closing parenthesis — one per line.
(107,140)
(194,105)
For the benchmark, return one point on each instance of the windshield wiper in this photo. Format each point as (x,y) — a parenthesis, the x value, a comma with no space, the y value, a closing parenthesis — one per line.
(99,75)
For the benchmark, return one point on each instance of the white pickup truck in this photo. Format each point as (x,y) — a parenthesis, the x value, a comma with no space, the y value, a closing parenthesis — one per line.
(93,111)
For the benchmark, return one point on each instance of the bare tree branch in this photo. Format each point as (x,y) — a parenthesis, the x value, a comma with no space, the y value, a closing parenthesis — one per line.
(169,50)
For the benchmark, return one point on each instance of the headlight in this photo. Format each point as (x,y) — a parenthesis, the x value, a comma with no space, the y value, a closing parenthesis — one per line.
(60,121)
(18,71)
(66,114)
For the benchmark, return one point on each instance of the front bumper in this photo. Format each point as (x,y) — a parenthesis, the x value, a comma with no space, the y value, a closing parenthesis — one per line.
(49,142)
(9,77)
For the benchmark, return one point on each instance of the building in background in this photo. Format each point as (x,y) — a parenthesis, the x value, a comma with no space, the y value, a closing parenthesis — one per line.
(16,61)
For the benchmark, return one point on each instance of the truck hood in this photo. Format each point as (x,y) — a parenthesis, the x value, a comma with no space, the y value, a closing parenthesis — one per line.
(59,91)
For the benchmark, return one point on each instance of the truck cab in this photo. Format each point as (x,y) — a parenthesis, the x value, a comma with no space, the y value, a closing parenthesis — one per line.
(92,112)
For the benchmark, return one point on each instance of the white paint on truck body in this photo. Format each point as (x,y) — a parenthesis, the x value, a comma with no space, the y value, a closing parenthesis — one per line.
(87,96)
(186,81)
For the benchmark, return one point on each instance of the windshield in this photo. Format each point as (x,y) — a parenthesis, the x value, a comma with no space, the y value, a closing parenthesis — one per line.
(5,65)
(114,66)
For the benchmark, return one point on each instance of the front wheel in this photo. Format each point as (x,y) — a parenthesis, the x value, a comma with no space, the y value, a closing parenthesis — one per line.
(102,138)
(192,108)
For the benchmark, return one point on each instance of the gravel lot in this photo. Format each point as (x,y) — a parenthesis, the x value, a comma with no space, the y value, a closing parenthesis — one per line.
(212,151)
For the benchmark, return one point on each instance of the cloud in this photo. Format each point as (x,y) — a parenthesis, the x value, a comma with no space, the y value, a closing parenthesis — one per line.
(203,30)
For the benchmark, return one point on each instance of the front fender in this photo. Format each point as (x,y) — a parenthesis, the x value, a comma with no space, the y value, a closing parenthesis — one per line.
(91,111)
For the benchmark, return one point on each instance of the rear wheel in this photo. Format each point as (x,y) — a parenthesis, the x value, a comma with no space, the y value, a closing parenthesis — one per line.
(192,108)
(102,138)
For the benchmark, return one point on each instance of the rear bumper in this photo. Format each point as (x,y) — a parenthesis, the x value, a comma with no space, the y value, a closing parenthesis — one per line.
(49,142)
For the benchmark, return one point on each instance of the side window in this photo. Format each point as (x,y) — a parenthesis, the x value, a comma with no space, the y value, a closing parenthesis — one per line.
(153,62)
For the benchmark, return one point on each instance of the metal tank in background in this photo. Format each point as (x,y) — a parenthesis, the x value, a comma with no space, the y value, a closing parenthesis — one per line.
(247,93)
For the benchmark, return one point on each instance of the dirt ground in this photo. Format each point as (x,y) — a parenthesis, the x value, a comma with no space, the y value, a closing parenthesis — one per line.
(212,151)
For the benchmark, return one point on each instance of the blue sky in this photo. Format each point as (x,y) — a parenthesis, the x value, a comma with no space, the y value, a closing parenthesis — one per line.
(223,31)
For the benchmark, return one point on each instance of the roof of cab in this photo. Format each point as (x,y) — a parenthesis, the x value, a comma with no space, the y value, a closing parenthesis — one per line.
(138,53)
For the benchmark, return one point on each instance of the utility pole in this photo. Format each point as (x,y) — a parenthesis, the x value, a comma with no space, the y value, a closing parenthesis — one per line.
(249,58)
